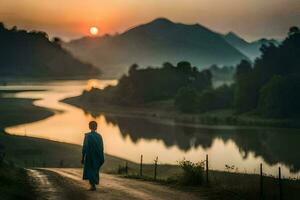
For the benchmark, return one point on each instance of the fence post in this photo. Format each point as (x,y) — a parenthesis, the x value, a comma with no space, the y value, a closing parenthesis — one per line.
(141,166)
(126,167)
(61,163)
(279,182)
(155,167)
(261,182)
(207,181)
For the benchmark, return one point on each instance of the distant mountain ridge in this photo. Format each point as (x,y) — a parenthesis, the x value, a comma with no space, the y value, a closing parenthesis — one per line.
(33,55)
(250,49)
(153,43)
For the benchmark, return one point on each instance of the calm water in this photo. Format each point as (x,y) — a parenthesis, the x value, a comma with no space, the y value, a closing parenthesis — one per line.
(129,137)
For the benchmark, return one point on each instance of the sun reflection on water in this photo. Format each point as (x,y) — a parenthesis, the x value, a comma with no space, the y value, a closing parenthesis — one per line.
(95,83)
(128,138)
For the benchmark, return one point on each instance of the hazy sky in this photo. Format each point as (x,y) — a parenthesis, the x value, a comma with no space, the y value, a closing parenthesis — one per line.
(251,19)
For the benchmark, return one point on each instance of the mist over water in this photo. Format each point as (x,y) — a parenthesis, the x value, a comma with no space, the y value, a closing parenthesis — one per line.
(129,137)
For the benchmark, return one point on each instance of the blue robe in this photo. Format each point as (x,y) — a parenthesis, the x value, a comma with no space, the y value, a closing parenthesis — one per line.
(93,155)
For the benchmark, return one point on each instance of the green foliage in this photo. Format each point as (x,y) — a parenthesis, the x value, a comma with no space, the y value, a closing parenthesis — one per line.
(245,91)
(186,99)
(279,97)
(225,73)
(192,172)
(282,60)
(213,99)
(152,84)
(253,88)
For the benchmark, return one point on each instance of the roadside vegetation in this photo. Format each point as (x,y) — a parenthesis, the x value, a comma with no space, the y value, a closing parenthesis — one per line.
(228,184)
(15,183)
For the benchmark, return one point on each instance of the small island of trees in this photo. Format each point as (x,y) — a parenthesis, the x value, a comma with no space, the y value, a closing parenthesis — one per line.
(268,88)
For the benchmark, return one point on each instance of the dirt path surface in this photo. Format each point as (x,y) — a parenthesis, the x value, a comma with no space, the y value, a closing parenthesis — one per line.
(66,184)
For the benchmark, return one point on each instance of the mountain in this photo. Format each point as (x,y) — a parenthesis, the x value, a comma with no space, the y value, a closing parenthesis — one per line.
(33,55)
(250,49)
(152,44)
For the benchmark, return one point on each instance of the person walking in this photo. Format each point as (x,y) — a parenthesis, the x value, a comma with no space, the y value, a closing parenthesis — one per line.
(92,155)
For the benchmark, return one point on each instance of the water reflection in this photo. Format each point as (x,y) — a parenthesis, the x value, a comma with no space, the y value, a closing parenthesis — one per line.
(128,137)
(274,145)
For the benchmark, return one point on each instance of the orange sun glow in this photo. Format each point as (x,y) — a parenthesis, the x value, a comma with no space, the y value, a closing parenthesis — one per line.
(94,30)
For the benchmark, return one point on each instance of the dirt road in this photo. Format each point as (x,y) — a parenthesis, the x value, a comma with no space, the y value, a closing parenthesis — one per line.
(66,184)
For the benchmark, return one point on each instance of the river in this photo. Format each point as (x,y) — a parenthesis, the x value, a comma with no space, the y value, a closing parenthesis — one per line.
(129,137)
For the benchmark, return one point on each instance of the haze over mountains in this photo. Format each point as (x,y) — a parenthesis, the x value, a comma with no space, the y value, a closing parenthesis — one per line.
(32,55)
(152,44)
(250,49)
(159,41)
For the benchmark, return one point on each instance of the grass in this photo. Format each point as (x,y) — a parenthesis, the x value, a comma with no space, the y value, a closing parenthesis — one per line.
(222,184)
(15,184)
(35,152)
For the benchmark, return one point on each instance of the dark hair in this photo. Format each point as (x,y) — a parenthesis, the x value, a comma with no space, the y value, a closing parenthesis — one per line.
(93,125)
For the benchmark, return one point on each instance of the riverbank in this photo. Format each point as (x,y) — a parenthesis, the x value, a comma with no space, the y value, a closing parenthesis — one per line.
(166,110)
(20,79)
(15,111)
(35,152)
(27,152)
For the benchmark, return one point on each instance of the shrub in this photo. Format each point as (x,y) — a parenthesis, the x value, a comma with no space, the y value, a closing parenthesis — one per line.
(122,170)
(192,172)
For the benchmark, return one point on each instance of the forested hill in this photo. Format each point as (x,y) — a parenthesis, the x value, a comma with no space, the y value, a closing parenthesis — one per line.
(153,43)
(268,88)
(32,54)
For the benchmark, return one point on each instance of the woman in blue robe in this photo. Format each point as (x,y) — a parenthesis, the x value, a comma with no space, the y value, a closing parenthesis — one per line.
(92,155)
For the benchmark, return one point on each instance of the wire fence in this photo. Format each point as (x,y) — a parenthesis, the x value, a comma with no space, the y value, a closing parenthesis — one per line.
(264,186)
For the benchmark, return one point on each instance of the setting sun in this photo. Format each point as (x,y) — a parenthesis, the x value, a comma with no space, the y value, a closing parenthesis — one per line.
(94,30)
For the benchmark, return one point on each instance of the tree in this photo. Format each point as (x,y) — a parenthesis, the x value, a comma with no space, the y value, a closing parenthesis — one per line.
(213,99)
(184,66)
(2,27)
(280,98)
(243,69)
(31,54)
(283,61)
(154,84)
(246,94)
(168,66)
(57,41)
(186,99)
(294,30)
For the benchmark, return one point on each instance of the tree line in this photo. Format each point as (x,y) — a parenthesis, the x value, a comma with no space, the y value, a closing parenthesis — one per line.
(269,87)
(33,54)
